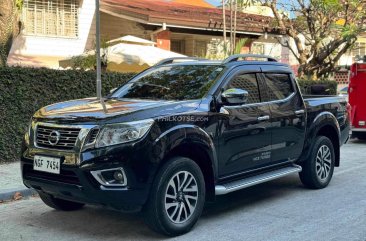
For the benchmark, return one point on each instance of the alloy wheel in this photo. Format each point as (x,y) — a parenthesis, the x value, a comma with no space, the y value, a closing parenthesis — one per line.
(181,197)
(323,162)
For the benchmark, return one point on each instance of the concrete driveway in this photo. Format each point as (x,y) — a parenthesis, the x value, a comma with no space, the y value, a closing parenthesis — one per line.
(279,210)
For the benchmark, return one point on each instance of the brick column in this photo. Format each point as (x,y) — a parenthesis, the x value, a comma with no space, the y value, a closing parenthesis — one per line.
(163,40)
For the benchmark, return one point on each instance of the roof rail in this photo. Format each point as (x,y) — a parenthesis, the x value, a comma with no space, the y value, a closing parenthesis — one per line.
(172,60)
(235,57)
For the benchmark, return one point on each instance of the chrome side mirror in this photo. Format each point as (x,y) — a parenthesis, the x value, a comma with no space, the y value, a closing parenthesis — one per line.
(235,96)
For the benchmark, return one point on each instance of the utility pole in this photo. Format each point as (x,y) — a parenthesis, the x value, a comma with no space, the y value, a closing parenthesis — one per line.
(224,20)
(97,52)
(231,26)
(235,18)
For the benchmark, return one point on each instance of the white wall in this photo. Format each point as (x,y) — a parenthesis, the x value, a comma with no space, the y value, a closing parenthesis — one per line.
(28,45)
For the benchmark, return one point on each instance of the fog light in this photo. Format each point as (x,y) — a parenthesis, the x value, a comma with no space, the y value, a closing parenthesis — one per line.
(115,177)
(361,123)
(118,175)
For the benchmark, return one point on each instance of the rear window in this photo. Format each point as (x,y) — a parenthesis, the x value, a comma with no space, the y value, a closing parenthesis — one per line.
(279,86)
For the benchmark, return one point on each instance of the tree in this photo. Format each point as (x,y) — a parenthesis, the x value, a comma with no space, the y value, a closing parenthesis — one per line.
(319,31)
(9,26)
(233,6)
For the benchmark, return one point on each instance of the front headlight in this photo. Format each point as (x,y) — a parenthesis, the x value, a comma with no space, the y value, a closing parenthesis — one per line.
(121,133)
(28,133)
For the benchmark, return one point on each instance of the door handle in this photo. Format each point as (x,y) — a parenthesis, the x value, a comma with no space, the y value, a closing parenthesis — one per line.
(299,112)
(263,118)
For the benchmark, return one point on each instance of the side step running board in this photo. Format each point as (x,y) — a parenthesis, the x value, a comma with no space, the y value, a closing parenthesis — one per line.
(254,180)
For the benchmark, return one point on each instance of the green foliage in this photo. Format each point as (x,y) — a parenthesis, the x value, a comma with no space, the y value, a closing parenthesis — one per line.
(19,4)
(88,59)
(305,85)
(25,90)
(83,62)
(239,45)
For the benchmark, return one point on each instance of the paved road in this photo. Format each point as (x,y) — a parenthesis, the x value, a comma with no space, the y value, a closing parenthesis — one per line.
(278,210)
(13,177)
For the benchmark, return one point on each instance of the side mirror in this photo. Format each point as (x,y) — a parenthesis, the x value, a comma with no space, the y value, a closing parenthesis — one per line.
(112,90)
(235,96)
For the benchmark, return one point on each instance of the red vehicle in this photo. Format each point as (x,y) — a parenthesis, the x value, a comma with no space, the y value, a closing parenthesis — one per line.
(357,99)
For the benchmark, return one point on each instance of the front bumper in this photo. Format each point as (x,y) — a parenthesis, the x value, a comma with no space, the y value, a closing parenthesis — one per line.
(77,184)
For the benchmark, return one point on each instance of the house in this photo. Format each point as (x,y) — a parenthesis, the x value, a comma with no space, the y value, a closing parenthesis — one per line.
(57,29)
(358,50)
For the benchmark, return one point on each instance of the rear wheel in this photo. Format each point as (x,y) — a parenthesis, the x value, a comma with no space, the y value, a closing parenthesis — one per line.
(177,197)
(59,204)
(318,170)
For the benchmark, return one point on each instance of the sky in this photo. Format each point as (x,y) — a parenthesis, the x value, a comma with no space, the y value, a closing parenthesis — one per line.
(214,2)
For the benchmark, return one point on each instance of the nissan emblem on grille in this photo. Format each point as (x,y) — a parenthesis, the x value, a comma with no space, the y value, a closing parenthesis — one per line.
(54,138)
(63,138)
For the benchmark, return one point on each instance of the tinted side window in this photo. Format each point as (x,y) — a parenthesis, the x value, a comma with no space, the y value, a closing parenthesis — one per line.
(279,86)
(249,83)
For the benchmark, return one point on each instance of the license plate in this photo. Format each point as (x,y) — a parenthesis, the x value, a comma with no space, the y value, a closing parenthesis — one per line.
(47,164)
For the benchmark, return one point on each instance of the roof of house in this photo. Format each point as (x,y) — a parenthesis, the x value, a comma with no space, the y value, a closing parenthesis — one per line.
(176,14)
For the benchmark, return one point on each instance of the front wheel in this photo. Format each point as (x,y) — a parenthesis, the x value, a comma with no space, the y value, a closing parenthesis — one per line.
(318,170)
(177,197)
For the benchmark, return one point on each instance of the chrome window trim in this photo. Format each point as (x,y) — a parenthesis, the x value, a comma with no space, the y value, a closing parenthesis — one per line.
(260,103)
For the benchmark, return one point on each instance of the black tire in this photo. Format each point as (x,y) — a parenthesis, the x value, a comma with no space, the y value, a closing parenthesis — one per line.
(317,174)
(161,219)
(59,204)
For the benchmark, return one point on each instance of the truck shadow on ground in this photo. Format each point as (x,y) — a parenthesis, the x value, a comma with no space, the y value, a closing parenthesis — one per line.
(103,224)
(357,141)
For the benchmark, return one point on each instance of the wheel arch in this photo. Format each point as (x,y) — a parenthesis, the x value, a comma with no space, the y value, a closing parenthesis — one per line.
(325,124)
(330,132)
(194,143)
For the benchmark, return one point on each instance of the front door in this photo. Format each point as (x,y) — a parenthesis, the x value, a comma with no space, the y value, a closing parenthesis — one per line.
(244,130)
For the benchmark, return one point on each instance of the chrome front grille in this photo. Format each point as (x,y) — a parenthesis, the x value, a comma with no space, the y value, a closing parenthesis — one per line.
(56,137)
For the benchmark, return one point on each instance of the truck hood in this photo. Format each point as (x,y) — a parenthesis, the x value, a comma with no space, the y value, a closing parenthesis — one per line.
(91,108)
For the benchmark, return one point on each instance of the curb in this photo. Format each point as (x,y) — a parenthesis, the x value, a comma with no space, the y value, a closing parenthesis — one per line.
(16,193)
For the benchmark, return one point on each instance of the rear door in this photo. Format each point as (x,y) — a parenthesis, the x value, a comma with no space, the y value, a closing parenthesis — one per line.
(288,114)
(244,130)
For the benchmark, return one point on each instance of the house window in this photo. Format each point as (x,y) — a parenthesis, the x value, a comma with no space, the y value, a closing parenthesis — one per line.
(200,48)
(178,46)
(258,48)
(359,49)
(58,18)
(214,46)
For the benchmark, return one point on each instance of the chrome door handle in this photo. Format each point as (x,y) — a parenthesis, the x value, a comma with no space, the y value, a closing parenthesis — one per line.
(299,112)
(263,118)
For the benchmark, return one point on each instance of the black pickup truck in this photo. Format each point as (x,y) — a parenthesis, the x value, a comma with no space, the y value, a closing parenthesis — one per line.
(180,133)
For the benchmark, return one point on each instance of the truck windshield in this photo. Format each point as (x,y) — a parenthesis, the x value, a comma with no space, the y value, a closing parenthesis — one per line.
(173,82)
